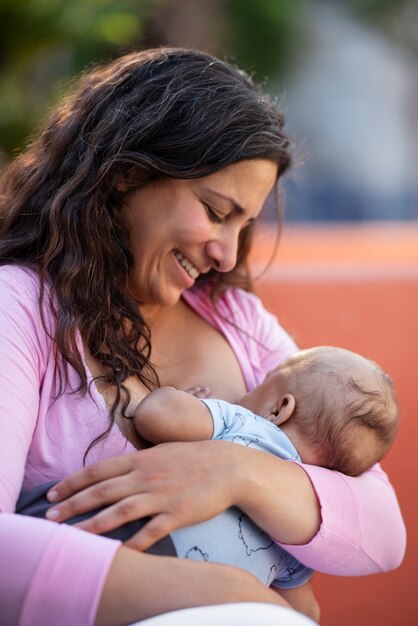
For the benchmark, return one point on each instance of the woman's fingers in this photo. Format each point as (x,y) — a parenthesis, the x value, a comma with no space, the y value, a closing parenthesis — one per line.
(90,498)
(134,484)
(127,510)
(90,475)
(154,530)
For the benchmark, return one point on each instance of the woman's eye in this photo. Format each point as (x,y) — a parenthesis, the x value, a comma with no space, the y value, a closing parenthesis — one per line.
(213,215)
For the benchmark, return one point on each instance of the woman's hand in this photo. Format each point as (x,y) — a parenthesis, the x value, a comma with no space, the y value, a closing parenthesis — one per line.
(177,484)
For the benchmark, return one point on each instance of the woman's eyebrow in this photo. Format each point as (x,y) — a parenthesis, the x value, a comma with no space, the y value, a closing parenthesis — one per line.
(236,207)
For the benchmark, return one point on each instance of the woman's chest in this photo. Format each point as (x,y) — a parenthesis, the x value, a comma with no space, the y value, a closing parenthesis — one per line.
(198,355)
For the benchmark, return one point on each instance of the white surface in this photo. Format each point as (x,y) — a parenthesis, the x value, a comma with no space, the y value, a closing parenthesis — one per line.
(242,614)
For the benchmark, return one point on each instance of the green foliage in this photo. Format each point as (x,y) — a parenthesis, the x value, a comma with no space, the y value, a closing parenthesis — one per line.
(262,35)
(45,42)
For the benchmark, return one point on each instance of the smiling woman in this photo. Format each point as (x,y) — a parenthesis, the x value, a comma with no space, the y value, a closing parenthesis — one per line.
(124,235)
(181,229)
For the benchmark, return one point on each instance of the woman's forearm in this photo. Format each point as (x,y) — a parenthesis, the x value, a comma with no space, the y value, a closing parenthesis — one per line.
(289,501)
(277,495)
(55,574)
(292,502)
(141,585)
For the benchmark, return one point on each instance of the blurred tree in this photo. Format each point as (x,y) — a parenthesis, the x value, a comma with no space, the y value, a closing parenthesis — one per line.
(191,23)
(43,43)
(398,19)
(263,36)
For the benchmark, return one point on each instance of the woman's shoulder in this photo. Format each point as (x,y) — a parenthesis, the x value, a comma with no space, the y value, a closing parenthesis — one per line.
(19,277)
(20,292)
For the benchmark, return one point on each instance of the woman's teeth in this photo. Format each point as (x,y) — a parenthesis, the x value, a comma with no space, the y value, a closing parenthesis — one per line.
(189,267)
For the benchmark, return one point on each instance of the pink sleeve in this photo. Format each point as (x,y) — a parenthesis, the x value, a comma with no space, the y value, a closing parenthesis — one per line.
(23,357)
(362,530)
(49,574)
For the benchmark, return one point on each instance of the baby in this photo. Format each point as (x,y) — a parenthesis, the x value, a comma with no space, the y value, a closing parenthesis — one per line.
(325,406)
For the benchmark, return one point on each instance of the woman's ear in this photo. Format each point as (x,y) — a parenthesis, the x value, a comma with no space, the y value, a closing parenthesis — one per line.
(283,410)
(131,179)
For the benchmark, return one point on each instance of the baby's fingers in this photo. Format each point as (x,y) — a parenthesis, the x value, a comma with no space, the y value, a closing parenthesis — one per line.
(199,392)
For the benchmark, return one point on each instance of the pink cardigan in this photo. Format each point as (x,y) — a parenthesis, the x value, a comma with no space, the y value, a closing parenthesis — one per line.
(53,574)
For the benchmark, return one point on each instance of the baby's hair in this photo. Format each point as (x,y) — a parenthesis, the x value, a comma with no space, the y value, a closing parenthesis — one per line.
(351,425)
(371,412)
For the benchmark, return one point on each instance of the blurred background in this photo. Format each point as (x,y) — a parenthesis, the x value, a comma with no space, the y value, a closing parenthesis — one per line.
(345,72)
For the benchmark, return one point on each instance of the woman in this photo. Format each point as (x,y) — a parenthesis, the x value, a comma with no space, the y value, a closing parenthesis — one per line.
(125,230)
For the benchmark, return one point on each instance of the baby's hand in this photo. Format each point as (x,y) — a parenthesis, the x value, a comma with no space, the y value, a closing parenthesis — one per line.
(199,392)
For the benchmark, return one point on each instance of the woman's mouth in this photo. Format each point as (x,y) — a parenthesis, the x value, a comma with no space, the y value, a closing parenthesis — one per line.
(192,271)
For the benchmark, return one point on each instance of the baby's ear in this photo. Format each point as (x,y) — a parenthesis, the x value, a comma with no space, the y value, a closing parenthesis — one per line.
(284,409)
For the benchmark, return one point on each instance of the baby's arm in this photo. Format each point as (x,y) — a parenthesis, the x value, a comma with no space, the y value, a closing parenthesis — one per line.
(168,414)
(302,599)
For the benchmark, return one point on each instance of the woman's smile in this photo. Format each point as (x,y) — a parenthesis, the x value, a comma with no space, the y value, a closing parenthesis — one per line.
(187,265)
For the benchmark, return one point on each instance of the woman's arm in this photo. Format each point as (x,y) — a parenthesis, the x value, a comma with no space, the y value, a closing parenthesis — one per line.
(362,529)
(278,495)
(212,475)
(143,585)
(302,599)
(336,536)
(52,574)
(49,574)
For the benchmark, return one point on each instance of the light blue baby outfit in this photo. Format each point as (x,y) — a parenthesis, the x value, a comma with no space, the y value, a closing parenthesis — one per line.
(232,537)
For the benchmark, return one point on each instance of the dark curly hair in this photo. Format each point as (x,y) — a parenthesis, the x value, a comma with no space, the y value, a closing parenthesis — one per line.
(161,112)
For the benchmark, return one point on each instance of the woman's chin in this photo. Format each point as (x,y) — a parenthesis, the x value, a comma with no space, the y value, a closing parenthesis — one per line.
(163,300)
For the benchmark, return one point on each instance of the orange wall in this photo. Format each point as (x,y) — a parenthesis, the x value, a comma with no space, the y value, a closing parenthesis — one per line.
(357,287)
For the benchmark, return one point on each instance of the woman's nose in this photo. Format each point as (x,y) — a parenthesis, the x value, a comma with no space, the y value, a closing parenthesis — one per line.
(223,250)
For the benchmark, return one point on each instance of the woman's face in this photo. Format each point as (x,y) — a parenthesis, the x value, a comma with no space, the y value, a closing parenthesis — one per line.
(182,228)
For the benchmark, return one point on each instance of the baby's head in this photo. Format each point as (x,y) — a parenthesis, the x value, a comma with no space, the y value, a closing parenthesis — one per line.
(342,406)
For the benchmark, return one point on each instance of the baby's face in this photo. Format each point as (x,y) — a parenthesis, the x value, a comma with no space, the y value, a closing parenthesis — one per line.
(276,384)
